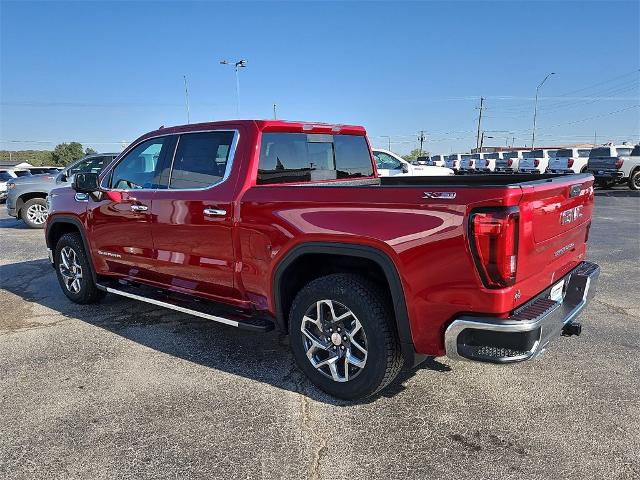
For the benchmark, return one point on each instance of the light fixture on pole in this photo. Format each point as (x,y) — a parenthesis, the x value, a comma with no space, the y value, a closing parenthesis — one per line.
(535,109)
(239,64)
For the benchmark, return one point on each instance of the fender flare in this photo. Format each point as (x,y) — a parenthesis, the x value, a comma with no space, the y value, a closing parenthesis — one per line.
(361,251)
(83,235)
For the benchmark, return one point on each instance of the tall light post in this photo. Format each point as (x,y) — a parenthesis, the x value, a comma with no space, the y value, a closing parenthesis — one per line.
(239,64)
(535,109)
(389,140)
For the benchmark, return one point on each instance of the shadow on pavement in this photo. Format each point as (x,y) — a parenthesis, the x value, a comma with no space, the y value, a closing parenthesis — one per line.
(13,223)
(617,193)
(261,357)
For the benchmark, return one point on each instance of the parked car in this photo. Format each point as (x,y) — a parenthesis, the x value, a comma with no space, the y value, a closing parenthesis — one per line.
(536,161)
(27,196)
(615,164)
(4,177)
(467,163)
(43,170)
(569,160)
(390,164)
(453,161)
(438,160)
(510,161)
(304,236)
(484,162)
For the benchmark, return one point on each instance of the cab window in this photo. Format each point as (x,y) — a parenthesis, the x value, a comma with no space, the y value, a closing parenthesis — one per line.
(138,169)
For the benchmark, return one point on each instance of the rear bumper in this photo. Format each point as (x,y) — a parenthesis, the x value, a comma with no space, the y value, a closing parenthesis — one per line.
(560,170)
(527,332)
(607,174)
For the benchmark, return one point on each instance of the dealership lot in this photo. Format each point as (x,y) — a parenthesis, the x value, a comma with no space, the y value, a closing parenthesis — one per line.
(129,390)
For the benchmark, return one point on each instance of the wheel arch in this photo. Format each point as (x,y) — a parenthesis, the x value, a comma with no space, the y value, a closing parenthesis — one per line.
(25,197)
(61,225)
(285,269)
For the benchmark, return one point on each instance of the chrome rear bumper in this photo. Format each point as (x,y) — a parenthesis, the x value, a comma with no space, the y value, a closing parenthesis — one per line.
(528,331)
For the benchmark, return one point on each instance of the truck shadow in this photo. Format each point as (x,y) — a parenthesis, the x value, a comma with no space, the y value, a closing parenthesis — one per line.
(261,357)
(617,193)
(13,223)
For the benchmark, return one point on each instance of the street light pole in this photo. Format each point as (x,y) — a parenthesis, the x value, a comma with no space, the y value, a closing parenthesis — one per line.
(535,109)
(388,139)
(238,65)
(186,97)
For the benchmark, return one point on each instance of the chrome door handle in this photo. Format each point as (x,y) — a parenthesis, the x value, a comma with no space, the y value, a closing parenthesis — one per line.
(214,212)
(139,208)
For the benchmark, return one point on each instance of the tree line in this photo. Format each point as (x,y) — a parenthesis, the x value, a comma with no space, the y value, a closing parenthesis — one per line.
(63,154)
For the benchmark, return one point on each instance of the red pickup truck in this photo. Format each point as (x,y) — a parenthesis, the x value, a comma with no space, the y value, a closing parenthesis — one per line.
(263,224)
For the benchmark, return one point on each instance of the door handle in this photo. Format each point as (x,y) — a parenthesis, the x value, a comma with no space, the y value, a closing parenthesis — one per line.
(214,212)
(139,208)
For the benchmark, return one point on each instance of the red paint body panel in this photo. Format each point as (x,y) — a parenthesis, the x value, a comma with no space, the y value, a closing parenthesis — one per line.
(233,258)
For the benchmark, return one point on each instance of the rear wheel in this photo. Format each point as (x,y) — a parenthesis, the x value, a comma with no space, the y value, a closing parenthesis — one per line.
(74,270)
(34,212)
(634,180)
(342,336)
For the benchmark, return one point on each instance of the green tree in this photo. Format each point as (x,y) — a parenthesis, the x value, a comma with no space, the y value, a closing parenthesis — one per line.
(66,153)
(415,153)
(90,151)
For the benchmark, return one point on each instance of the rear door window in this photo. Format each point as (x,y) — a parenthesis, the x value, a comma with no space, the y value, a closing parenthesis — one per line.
(201,160)
(301,157)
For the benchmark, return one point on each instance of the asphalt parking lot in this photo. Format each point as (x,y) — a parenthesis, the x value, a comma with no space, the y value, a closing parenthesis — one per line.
(129,390)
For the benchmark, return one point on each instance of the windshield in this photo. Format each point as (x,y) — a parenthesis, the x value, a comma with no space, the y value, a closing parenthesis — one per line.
(92,164)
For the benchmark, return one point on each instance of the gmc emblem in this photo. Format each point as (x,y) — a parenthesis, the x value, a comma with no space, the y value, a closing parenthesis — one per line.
(571,215)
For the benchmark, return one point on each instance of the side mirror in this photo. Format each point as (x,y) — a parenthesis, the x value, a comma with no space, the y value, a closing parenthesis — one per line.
(405,168)
(86,182)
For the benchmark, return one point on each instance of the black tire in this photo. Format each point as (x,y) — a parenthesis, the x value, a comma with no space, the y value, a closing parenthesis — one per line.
(634,180)
(383,360)
(31,212)
(87,292)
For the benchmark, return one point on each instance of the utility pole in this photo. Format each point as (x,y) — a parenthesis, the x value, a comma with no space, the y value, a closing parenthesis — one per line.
(275,116)
(479,122)
(388,140)
(186,97)
(421,138)
(535,110)
(595,138)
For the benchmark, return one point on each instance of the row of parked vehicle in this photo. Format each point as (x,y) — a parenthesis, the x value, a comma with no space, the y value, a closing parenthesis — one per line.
(10,173)
(610,164)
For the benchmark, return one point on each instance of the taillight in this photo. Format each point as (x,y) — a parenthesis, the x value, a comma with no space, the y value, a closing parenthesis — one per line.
(619,163)
(536,162)
(493,236)
(570,163)
(510,162)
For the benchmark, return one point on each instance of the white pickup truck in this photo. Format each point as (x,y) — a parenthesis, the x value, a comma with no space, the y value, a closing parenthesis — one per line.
(467,163)
(509,161)
(485,162)
(569,160)
(390,164)
(536,161)
(438,160)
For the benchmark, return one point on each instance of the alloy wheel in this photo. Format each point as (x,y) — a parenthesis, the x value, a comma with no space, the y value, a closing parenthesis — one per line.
(37,213)
(70,269)
(334,340)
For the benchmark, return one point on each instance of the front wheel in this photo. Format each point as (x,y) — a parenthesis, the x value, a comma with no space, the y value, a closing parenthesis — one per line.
(34,212)
(343,337)
(74,270)
(634,180)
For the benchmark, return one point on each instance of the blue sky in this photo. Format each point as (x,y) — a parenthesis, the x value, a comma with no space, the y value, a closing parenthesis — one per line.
(106,72)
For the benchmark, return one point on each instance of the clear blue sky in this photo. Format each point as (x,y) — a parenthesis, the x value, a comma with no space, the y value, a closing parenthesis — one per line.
(103,72)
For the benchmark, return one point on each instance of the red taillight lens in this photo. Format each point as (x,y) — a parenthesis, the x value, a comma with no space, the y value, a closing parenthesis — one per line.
(570,163)
(494,244)
(619,163)
(536,162)
(510,162)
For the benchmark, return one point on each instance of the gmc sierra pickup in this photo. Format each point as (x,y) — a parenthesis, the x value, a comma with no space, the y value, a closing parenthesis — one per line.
(263,224)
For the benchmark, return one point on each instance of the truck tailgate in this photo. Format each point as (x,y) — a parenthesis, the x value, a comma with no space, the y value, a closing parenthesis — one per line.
(555,220)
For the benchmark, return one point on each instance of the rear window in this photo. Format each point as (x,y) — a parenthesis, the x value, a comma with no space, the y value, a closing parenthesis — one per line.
(4,176)
(624,151)
(492,156)
(636,151)
(466,157)
(534,154)
(600,152)
(508,155)
(584,152)
(301,157)
(565,152)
